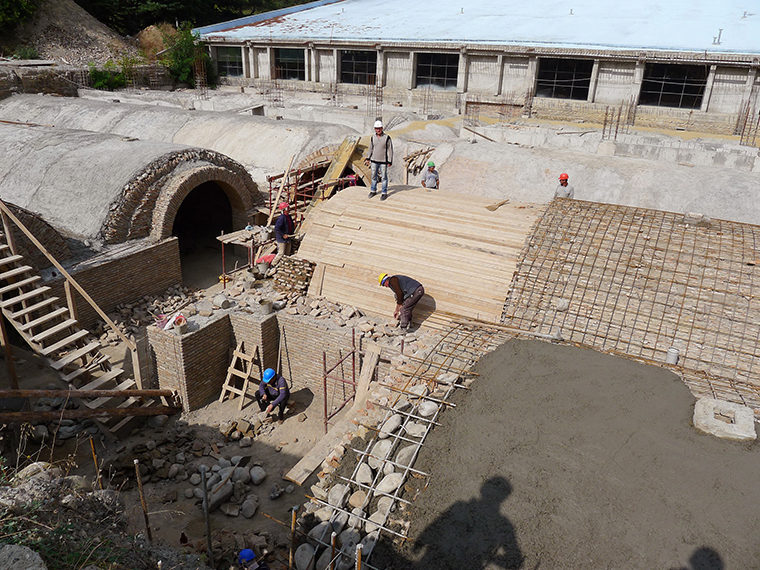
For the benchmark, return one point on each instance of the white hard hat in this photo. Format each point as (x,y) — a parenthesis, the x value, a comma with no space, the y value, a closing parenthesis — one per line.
(378,124)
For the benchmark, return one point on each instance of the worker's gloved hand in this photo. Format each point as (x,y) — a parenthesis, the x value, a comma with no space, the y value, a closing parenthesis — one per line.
(269,409)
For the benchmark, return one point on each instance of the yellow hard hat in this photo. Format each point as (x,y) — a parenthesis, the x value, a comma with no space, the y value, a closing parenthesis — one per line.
(381,277)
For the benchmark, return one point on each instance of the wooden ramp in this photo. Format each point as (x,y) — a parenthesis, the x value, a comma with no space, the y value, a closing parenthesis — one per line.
(337,166)
(464,254)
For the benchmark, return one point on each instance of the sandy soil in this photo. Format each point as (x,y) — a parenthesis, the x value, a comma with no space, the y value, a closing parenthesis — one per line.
(566,458)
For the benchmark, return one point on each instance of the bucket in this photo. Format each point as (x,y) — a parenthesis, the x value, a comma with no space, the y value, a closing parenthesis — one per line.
(672,356)
(265,306)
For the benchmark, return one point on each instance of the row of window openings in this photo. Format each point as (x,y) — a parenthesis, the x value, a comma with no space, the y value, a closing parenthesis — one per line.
(664,85)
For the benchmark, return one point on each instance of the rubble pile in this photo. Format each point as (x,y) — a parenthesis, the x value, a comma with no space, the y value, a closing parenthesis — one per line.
(292,276)
(131,317)
(67,523)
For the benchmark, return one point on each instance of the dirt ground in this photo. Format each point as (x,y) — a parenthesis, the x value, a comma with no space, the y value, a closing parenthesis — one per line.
(562,457)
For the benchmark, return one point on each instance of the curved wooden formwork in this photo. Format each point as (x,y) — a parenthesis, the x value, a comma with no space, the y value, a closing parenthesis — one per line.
(463,253)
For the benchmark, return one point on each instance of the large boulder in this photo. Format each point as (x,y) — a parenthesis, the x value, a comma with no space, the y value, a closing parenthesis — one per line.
(17,557)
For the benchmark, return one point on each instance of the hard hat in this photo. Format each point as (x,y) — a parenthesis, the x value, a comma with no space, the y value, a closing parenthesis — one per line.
(382,277)
(563,176)
(431,163)
(378,124)
(268,375)
(283,205)
(246,555)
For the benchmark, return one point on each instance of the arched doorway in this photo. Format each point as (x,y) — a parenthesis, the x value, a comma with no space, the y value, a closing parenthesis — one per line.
(204,214)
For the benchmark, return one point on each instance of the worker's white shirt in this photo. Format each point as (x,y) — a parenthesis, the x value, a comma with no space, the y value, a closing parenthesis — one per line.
(564,191)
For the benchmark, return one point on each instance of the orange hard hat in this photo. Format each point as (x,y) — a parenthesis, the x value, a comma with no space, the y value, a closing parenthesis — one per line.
(563,176)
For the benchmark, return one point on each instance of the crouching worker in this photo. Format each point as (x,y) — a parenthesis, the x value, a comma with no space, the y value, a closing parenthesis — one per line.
(273,391)
(408,292)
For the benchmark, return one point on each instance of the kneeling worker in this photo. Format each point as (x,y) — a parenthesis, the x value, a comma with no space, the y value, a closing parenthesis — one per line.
(408,292)
(276,393)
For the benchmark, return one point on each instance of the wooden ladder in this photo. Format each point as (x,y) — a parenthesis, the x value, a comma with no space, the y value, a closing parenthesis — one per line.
(240,370)
(53,332)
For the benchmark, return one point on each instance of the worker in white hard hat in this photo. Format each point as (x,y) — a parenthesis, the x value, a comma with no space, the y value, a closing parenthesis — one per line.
(380,157)
(430,176)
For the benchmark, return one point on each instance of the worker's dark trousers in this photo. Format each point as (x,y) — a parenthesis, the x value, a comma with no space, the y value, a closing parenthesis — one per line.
(263,404)
(408,306)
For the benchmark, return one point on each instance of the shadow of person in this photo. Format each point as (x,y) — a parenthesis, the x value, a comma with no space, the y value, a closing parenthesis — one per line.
(472,534)
(424,309)
(704,558)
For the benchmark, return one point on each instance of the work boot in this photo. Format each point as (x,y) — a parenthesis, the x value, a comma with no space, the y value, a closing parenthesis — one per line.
(371,194)
(383,196)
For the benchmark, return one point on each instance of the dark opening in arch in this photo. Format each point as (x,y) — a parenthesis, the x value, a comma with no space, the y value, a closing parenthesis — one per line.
(203,215)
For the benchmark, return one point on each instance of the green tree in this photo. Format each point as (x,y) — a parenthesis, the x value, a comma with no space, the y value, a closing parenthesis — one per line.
(14,12)
(184,49)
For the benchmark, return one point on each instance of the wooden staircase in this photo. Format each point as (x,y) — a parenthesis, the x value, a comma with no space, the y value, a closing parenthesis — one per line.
(53,332)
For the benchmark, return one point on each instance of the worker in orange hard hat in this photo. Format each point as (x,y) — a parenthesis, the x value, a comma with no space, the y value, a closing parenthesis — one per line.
(564,190)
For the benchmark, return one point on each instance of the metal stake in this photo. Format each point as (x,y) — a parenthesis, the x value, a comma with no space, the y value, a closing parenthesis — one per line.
(206,518)
(142,500)
(95,461)
(291,553)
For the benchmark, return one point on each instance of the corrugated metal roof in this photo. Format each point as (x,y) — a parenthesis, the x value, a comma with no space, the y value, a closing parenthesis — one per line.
(727,26)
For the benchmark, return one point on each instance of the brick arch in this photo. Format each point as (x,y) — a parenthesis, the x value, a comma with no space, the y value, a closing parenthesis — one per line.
(174,193)
(149,202)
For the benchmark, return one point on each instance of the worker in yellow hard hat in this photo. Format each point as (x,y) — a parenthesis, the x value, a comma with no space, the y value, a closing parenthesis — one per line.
(408,292)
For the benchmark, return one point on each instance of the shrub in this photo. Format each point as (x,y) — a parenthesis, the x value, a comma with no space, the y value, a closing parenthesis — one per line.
(108,78)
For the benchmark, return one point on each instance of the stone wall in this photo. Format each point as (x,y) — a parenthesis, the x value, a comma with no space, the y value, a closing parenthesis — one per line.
(194,364)
(126,278)
(255,331)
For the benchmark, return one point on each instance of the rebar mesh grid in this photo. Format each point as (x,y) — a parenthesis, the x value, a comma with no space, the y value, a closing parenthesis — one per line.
(637,282)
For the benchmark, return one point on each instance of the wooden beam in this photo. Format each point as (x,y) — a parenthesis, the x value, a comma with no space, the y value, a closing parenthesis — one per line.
(17,417)
(16,393)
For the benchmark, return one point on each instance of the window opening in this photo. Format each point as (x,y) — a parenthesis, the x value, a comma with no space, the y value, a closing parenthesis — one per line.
(358,67)
(289,63)
(673,85)
(438,69)
(229,61)
(564,78)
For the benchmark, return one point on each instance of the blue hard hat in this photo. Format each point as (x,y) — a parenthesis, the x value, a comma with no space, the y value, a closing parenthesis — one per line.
(246,555)
(268,374)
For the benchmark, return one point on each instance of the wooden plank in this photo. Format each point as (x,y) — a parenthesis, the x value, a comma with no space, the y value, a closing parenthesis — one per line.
(41,416)
(316,455)
(64,342)
(337,166)
(369,363)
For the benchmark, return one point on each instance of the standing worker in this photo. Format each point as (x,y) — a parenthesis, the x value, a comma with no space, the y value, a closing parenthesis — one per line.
(380,156)
(275,392)
(430,176)
(408,292)
(283,232)
(564,190)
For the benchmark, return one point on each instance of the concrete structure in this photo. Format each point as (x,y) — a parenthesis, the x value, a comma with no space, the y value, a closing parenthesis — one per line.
(107,188)
(264,146)
(545,58)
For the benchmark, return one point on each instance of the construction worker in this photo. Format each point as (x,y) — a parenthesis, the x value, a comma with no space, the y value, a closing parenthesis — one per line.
(247,561)
(564,190)
(408,292)
(380,156)
(283,232)
(273,391)
(430,176)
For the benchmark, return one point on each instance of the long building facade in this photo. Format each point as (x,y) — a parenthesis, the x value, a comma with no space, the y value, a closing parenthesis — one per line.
(661,77)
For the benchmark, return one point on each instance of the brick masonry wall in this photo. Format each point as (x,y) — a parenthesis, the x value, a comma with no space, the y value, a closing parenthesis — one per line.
(148,271)
(194,364)
(257,331)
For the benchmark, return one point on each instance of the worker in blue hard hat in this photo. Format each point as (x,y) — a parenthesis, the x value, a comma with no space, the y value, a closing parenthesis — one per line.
(273,392)
(247,561)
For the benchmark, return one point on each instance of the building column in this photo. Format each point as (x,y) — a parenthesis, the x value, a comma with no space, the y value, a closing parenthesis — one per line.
(270,64)
(306,64)
(638,79)
(463,71)
(412,69)
(380,67)
(501,75)
(593,82)
(312,64)
(708,89)
(336,67)
(253,61)
(531,74)
(245,55)
(749,85)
